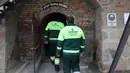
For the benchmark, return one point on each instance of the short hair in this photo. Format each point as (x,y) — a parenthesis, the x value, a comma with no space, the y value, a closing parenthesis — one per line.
(70,19)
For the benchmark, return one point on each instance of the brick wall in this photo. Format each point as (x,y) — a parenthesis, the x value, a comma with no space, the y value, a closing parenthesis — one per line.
(107,38)
(83,13)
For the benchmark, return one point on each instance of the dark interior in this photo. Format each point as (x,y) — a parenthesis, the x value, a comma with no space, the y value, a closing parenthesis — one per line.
(50,17)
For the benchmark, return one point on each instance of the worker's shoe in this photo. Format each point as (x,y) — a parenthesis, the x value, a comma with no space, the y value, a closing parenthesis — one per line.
(57,68)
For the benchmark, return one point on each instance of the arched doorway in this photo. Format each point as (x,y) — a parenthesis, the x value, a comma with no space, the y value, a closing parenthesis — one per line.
(84,17)
(55,16)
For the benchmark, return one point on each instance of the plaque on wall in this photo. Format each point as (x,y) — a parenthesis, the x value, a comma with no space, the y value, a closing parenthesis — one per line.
(111,19)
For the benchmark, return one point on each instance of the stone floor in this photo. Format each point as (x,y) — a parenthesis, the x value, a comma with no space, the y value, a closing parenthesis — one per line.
(91,68)
(47,67)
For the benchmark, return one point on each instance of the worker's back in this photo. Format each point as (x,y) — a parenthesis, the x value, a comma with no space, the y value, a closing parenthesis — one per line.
(72,41)
(54,28)
(51,34)
(73,38)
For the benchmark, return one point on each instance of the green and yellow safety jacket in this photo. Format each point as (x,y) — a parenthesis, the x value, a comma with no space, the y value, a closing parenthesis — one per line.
(71,39)
(52,30)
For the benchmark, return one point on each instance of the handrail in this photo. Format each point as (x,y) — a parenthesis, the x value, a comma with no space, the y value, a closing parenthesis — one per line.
(34,61)
(34,58)
(34,48)
(121,46)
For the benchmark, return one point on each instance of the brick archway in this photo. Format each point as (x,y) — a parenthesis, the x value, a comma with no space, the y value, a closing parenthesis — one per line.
(41,28)
(83,13)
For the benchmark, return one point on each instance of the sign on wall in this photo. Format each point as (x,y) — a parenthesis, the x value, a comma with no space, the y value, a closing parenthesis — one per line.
(111,19)
(126,15)
(55,4)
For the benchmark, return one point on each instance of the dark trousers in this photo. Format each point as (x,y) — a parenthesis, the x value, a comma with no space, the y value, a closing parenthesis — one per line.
(70,62)
(52,47)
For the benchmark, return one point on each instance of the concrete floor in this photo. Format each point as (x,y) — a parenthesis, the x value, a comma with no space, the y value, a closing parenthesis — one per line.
(47,67)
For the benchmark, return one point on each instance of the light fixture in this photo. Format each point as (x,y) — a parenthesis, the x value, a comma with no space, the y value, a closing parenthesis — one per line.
(0,12)
(11,0)
(6,7)
(1,9)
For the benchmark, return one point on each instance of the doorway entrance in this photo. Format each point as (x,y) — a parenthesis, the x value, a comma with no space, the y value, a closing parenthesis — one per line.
(56,16)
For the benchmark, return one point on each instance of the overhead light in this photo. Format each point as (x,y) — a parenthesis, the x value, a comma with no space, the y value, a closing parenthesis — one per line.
(2,8)
(0,12)
(6,7)
(11,0)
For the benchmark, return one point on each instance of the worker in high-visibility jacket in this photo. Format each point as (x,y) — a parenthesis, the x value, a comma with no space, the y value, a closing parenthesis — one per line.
(71,41)
(51,34)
